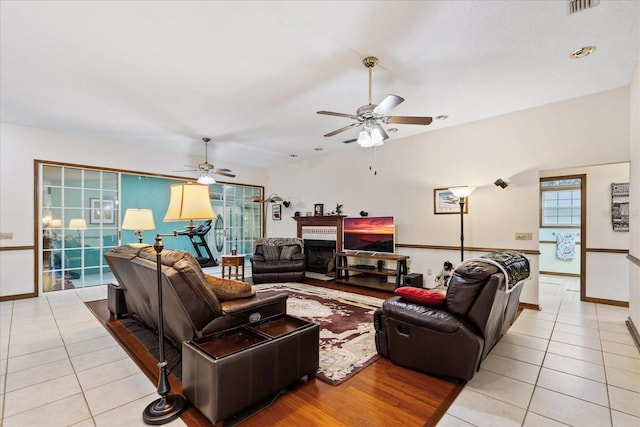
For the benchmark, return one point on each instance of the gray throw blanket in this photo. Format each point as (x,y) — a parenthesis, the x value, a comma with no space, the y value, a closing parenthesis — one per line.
(514,266)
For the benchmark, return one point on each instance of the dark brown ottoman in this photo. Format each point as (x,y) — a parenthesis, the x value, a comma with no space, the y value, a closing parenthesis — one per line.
(229,371)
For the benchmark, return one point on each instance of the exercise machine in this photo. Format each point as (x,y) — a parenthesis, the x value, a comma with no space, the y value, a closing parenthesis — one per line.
(198,241)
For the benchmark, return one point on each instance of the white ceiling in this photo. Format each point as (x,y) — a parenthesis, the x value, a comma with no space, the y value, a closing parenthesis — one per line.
(251,75)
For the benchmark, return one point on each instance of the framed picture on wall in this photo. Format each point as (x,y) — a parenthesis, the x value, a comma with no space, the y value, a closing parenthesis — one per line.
(444,202)
(102,211)
(276,209)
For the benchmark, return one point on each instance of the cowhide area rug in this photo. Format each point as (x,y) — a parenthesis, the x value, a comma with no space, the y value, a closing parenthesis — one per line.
(347,336)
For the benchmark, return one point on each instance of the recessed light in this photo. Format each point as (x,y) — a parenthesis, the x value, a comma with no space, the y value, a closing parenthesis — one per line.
(582,52)
(442,117)
(293,155)
(318,149)
(392,130)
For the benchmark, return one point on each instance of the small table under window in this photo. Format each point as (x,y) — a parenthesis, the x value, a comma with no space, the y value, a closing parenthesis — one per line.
(236,261)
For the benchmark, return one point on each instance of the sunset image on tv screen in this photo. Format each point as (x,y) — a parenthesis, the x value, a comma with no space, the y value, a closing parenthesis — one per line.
(373,234)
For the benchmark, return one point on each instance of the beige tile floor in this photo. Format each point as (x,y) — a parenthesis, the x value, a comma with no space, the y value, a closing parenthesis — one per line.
(572,363)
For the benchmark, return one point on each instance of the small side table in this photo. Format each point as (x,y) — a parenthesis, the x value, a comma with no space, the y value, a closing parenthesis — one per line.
(233,261)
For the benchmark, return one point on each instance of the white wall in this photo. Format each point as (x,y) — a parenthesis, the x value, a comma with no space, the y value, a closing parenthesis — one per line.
(634,200)
(588,130)
(20,145)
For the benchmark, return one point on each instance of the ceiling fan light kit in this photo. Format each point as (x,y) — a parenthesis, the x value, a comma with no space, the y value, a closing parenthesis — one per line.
(206,169)
(371,116)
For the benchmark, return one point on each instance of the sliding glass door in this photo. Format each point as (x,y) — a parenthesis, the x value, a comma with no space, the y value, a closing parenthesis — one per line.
(80,219)
(81,209)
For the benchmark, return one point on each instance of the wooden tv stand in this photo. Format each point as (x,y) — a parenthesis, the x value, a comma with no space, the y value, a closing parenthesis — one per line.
(365,271)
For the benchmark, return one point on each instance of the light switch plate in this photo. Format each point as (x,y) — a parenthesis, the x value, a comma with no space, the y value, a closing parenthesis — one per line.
(524,236)
(6,236)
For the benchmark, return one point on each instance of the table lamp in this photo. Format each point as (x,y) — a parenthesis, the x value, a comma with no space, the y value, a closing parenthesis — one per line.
(138,220)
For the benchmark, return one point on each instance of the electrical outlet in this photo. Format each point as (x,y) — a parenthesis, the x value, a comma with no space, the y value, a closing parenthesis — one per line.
(6,236)
(429,272)
(524,236)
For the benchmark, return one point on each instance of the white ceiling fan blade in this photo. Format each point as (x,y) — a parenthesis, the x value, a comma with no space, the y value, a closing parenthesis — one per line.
(409,120)
(332,113)
(382,132)
(388,104)
(223,173)
(337,131)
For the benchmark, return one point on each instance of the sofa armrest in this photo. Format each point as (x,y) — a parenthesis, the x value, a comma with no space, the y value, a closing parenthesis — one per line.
(421,315)
(257,258)
(246,310)
(297,257)
(257,301)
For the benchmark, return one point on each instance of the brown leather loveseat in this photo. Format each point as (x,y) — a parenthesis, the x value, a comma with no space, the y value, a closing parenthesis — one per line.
(452,338)
(194,304)
(278,259)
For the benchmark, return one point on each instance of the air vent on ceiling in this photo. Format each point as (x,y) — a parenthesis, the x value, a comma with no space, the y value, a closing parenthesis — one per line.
(578,5)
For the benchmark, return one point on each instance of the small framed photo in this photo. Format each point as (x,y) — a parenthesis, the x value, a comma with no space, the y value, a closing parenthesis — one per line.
(318,209)
(276,210)
(444,202)
(102,211)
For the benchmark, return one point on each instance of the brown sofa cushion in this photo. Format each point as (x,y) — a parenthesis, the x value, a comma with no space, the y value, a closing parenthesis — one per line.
(228,289)
(271,253)
(288,251)
(465,284)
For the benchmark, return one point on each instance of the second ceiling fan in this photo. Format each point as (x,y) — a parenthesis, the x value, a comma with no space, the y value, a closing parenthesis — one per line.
(206,169)
(371,117)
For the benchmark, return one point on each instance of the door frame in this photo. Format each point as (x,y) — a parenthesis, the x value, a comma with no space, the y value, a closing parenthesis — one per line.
(583,225)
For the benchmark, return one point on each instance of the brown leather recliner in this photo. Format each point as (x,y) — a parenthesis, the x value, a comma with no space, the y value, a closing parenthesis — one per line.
(452,339)
(191,306)
(278,259)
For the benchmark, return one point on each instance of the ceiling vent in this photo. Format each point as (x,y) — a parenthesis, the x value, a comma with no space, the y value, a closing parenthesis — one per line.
(578,5)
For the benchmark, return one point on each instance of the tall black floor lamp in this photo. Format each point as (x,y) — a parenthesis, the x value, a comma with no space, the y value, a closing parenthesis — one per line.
(462,193)
(188,202)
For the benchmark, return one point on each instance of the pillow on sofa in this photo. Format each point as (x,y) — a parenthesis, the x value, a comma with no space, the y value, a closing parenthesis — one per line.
(228,289)
(420,295)
(271,253)
(286,252)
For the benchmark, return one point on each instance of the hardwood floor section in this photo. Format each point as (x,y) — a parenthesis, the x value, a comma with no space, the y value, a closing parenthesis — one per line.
(383,394)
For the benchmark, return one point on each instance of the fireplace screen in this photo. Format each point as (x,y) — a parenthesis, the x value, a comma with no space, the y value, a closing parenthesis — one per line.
(318,254)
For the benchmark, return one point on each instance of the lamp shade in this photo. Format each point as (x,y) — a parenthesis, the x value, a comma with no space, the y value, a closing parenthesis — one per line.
(55,223)
(138,219)
(462,192)
(189,201)
(77,224)
(273,198)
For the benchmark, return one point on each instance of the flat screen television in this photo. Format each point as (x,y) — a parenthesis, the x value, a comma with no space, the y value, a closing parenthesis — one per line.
(369,234)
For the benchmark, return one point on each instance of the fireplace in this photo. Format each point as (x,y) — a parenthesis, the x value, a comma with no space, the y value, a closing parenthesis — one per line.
(322,236)
(318,254)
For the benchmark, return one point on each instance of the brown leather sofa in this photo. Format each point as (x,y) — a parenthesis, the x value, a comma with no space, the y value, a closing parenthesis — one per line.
(194,304)
(453,338)
(278,259)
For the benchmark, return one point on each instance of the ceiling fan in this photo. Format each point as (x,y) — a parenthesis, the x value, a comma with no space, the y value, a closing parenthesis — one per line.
(206,169)
(371,116)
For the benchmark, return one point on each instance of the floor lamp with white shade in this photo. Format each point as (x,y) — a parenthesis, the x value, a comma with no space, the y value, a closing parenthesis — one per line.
(189,202)
(462,193)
